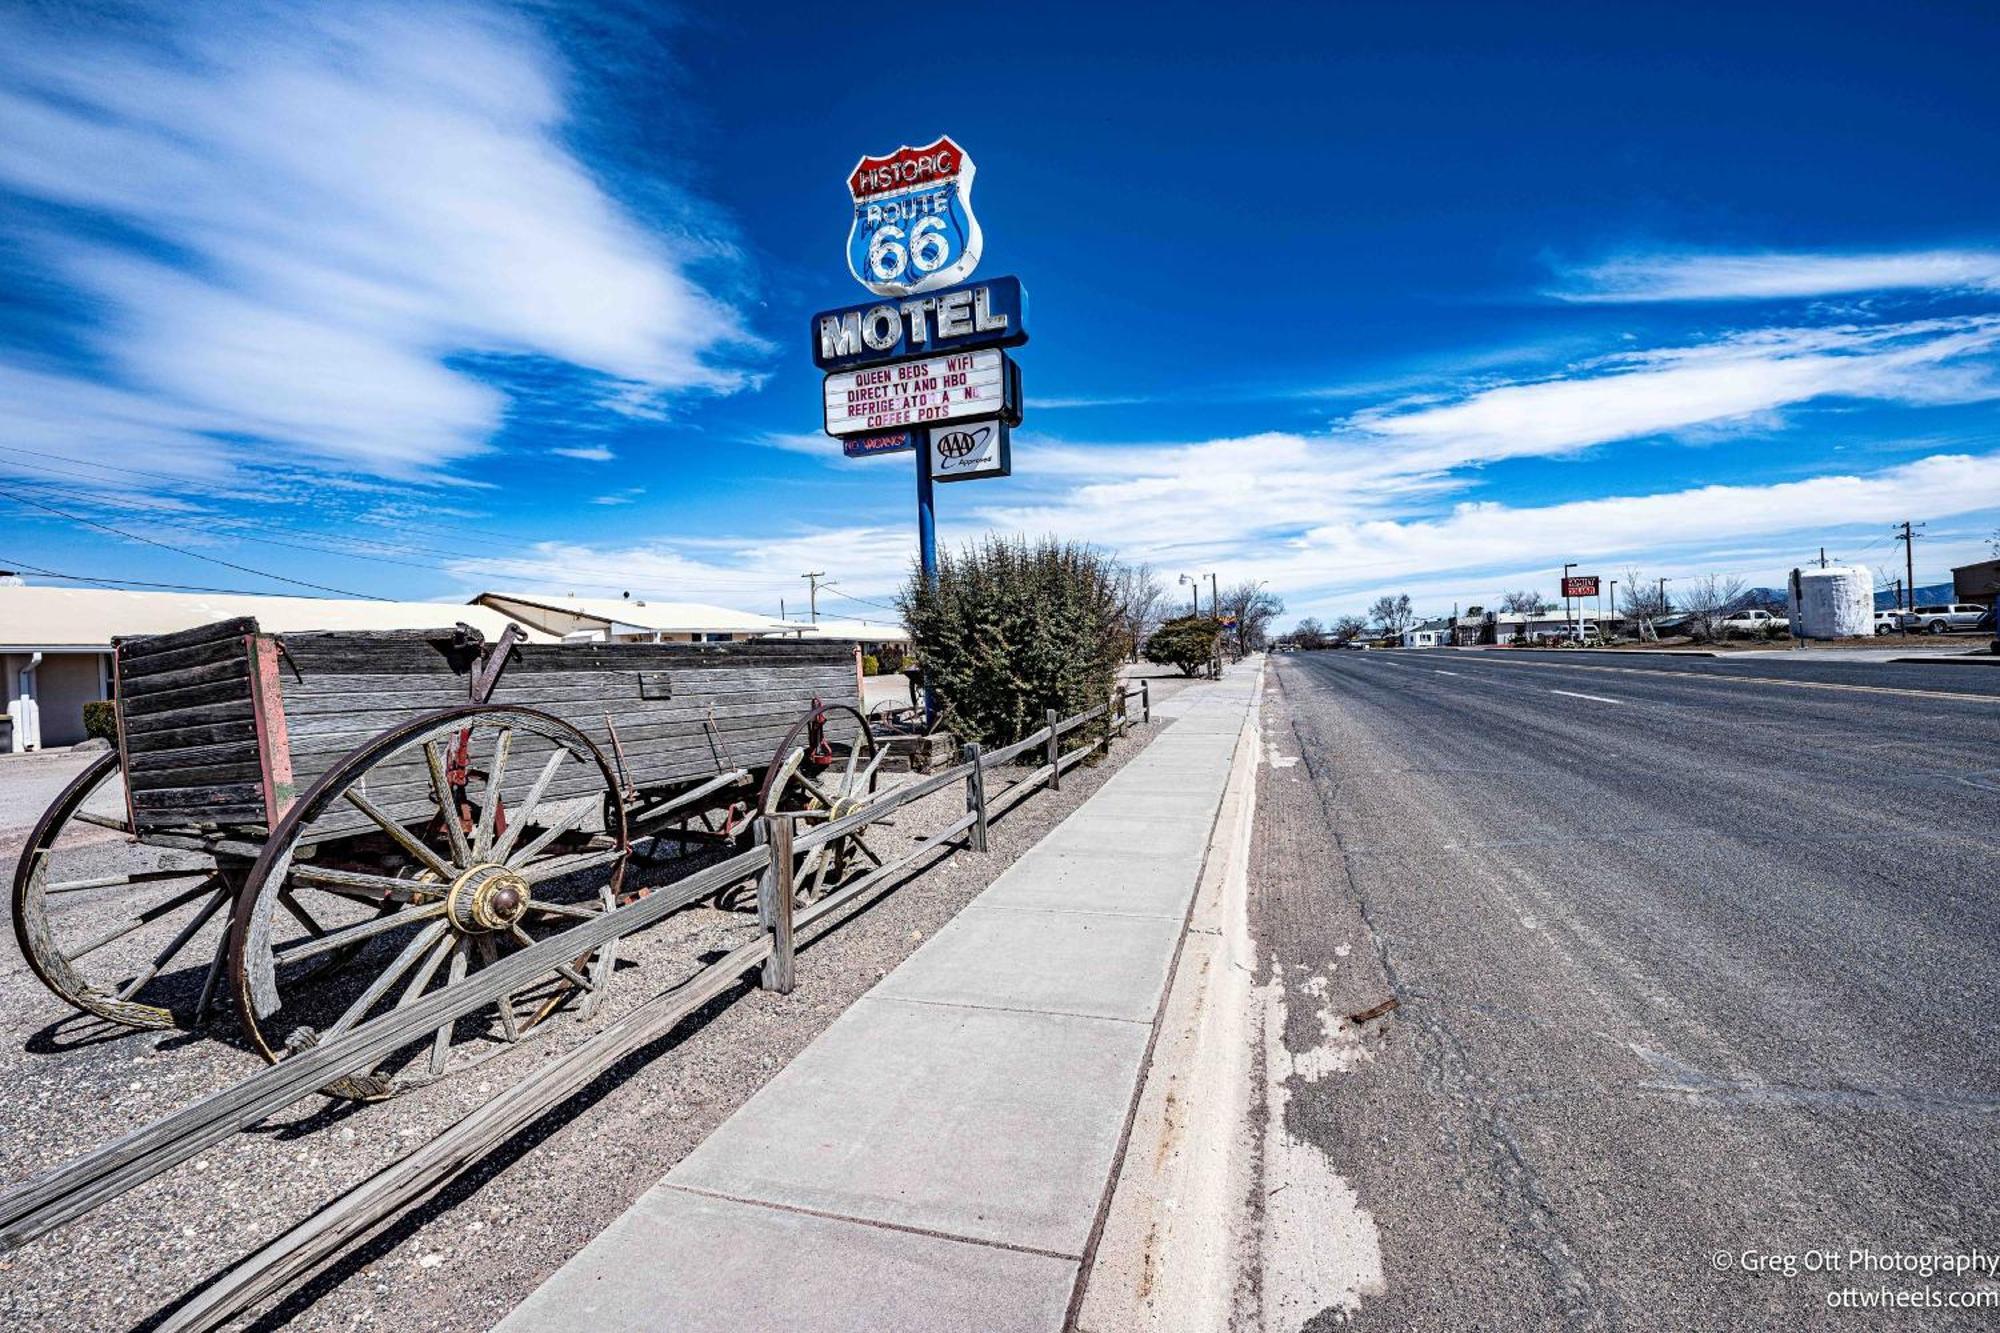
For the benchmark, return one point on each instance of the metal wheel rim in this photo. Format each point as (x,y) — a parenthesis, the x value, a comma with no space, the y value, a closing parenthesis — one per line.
(34,932)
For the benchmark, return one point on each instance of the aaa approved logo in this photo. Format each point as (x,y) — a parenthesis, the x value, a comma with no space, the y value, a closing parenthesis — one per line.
(913,225)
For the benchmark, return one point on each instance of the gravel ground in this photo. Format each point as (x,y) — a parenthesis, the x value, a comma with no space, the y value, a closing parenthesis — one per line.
(68,1084)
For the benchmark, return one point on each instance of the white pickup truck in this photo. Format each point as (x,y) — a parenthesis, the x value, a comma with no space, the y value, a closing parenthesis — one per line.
(1752,622)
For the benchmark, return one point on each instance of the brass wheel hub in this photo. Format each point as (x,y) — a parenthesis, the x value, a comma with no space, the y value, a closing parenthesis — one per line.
(487,897)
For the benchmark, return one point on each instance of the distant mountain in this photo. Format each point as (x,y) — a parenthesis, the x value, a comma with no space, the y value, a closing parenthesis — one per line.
(1927,595)
(1774,600)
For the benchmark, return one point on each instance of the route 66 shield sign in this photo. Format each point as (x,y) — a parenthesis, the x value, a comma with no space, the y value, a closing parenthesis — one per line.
(913,225)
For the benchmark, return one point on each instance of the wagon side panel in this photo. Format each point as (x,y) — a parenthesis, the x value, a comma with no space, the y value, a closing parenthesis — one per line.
(188,727)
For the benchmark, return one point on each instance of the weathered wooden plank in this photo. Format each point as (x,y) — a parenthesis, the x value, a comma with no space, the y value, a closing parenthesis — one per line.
(144,703)
(146,645)
(224,816)
(149,778)
(197,654)
(192,799)
(195,715)
(229,667)
(192,737)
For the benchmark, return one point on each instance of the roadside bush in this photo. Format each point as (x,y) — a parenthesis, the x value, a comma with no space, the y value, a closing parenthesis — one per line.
(1011,628)
(1189,643)
(100,720)
(871,665)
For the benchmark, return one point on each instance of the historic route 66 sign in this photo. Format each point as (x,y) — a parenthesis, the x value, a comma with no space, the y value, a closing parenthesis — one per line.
(913,225)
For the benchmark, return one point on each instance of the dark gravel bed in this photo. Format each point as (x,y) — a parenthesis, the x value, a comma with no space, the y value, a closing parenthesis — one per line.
(68,1084)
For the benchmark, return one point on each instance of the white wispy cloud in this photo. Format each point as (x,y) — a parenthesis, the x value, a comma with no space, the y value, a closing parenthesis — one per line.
(1662,391)
(594,453)
(1779,276)
(311,208)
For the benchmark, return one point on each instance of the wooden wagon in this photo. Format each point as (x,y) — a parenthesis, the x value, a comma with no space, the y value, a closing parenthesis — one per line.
(330,825)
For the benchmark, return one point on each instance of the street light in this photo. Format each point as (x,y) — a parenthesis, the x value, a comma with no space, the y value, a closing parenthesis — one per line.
(1196,594)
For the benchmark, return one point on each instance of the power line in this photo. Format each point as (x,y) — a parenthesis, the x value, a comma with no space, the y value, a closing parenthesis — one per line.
(181,550)
(21,567)
(863,600)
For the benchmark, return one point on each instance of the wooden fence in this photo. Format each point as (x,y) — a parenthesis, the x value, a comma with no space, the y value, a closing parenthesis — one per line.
(65,1193)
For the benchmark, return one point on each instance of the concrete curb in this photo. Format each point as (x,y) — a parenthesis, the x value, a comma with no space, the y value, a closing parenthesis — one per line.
(1954,659)
(942,1155)
(1169,1253)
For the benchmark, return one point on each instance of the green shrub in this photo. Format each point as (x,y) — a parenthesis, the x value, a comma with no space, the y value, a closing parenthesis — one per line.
(871,665)
(100,720)
(1009,629)
(1189,643)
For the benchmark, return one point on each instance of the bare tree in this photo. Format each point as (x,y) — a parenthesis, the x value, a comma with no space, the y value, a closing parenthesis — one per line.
(1525,602)
(1393,614)
(1254,610)
(1347,628)
(1141,605)
(1309,634)
(1710,598)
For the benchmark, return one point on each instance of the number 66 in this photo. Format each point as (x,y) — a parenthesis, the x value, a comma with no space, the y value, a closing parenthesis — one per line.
(927,250)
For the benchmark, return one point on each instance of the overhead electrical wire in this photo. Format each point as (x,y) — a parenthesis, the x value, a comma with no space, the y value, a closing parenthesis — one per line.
(21,567)
(181,550)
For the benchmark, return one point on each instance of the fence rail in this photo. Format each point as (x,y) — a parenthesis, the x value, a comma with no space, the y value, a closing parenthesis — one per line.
(65,1193)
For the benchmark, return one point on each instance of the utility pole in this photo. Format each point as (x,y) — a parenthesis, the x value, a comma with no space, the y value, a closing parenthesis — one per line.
(1567,614)
(812,580)
(1909,540)
(1822,557)
(1613,600)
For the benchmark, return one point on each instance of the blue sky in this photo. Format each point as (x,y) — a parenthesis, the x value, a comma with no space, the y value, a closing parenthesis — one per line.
(411,300)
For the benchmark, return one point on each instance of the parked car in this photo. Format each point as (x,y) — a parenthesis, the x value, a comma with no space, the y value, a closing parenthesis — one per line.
(1751,622)
(1944,619)
(1888,622)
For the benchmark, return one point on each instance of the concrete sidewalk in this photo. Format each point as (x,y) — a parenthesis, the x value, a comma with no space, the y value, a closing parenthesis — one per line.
(937,1158)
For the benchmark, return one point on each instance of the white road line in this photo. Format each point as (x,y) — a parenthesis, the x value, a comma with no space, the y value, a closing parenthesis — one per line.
(1436,672)
(1594,698)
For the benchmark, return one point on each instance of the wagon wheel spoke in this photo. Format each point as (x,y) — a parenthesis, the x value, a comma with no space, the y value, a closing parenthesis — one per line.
(461,952)
(510,1022)
(853,758)
(296,910)
(293,950)
(208,983)
(140,921)
(874,763)
(447,804)
(575,815)
(561,909)
(328,877)
(530,806)
(125,881)
(103,821)
(174,946)
(400,835)
(558,867)
(862,846)
(568,973)
(489,801)
(382,984)
(819,877)
(818,791)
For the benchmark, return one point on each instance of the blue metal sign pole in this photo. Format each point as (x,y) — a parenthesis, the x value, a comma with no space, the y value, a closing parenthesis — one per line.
(926,554)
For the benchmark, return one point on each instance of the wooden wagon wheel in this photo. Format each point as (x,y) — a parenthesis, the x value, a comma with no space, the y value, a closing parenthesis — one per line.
(124,931)
(819,780)
(440,847)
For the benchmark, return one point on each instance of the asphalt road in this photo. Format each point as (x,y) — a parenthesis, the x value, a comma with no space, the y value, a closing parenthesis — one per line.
(1691,969)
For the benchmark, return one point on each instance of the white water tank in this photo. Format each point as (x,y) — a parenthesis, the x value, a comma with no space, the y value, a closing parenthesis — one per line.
(1834,602)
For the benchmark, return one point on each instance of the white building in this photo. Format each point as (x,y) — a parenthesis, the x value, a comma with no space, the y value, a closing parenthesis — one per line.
(55,643)
(629,619)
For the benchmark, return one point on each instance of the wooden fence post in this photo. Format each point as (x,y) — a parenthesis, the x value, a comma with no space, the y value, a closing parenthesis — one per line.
(1146,701)
(975,796)
(774,904)
(1055,753)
